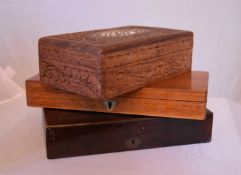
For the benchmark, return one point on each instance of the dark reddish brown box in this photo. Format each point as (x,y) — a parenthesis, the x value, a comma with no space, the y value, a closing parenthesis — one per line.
(76,133)
(106,63)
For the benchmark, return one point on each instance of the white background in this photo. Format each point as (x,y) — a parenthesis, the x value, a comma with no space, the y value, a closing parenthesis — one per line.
(217,49)
(216,25)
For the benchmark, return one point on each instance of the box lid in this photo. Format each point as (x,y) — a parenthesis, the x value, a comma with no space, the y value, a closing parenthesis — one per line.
(66,118)
(189,86)
(113,39)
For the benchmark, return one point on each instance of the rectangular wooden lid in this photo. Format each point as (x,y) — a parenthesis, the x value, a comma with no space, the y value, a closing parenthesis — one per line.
(113,39)
(189,86)
(61,118)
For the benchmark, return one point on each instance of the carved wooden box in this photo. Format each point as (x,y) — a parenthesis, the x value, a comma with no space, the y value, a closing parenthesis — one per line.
(103,64)
(183,96)
(75,133)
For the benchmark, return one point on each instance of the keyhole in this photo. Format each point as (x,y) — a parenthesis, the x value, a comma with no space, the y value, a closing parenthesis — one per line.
(109,104)
(133,142)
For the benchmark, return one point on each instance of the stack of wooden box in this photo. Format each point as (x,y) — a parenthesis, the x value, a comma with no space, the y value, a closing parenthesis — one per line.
(119,89)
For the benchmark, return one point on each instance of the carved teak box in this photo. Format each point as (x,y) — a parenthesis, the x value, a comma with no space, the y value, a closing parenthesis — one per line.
(103,64)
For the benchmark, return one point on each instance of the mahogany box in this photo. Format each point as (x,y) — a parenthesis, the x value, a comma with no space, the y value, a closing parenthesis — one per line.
(74,133)
(106,63)
(183,96)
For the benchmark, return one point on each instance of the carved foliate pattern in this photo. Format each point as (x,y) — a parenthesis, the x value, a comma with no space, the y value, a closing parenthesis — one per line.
(68,56)
(125,77)
(85,81)
(81,80)
(146,52)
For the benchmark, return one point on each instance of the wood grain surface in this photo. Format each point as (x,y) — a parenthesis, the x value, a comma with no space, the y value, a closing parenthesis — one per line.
(103,64)
(183,96)
(75,133)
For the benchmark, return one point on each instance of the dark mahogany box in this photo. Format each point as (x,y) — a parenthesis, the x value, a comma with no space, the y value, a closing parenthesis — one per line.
(75,133)
(106,63)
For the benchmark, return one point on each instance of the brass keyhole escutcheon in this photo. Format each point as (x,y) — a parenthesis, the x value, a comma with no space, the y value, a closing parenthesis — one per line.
(133,142)
(110,105)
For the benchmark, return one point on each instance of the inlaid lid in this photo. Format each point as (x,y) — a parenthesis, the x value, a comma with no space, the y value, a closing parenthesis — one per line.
(108,40)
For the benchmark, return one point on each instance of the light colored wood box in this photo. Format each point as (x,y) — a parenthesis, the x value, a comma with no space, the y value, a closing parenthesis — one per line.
(183,96)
